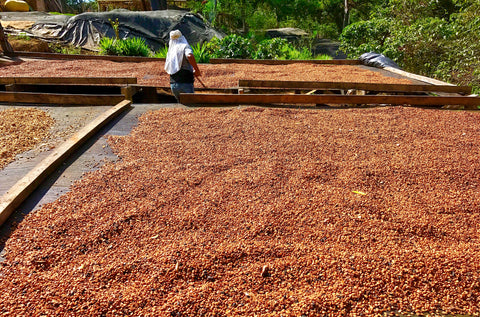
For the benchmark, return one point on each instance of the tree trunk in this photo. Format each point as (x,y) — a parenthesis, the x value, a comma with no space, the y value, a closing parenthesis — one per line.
(346,16)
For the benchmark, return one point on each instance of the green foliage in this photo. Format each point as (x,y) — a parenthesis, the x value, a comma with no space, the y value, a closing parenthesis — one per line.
(21,36)
(233,46)
(325,17)
(201,53)
(272,49)
(133,46)
(213,47)
(365,36)
(275,48)
(65,49)
(108,46)
(59,13)
(162,53)
(262,18)
(79,6)
(128,47)
(439,39)
(323,57)
(299,54)
(408,11)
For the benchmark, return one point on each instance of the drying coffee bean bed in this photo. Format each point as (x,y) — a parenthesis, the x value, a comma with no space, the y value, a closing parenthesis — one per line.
(20,130)
(214,75)
(262,212)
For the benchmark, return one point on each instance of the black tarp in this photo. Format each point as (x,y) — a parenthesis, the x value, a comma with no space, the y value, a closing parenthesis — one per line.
(377,60)
(88,28)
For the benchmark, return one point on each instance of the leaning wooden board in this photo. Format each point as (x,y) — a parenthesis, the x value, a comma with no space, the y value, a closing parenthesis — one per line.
(25,186)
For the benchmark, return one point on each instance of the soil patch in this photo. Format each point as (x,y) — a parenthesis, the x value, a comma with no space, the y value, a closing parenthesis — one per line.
(29,45)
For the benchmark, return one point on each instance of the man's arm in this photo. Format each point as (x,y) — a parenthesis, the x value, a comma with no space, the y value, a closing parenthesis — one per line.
(193,62)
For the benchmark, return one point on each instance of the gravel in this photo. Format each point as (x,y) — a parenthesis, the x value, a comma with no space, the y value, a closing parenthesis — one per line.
(266,212)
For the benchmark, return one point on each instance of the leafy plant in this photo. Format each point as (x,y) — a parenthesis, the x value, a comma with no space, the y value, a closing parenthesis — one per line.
(22,36)
(108,46)
(65,49)
(234,46)
(298,54)
(201,53)
(272,49)
(162,53)
(133,46)
(213,47)
(129,47)
(323,57)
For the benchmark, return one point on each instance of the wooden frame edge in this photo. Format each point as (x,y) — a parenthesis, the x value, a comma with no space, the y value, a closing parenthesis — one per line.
(25,186)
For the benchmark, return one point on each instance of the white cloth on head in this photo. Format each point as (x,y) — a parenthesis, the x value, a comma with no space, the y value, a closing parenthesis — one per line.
(177,49)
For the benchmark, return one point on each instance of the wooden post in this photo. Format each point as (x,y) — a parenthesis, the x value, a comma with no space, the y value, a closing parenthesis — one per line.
(41,6)
(6,47)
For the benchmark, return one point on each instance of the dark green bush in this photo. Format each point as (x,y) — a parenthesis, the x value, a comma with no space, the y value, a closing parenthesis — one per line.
(365,36)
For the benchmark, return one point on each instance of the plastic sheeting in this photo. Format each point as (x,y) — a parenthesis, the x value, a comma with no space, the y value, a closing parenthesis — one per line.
(87,29)
(377,60)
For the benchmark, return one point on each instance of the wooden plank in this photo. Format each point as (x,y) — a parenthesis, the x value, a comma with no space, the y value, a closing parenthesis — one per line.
(351,85)
(254,99)
(284,62)
(69,80)
(416,77)
(25,186)
(64,99)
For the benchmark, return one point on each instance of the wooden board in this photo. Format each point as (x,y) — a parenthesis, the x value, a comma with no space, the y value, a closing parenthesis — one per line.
(25,186)
(63,99)
(284,62)
(254,99)
(69,80)
(415,76)
(351,85)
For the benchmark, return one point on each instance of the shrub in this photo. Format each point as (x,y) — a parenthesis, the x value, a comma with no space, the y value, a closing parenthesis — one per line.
(365,36)
(162,53)
(233,46)
(262,18)
(127,47)
(271,49)
(201,53)
(133,46)
(108,46)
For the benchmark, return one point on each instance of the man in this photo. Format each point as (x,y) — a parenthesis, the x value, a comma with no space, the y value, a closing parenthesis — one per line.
(181,65)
